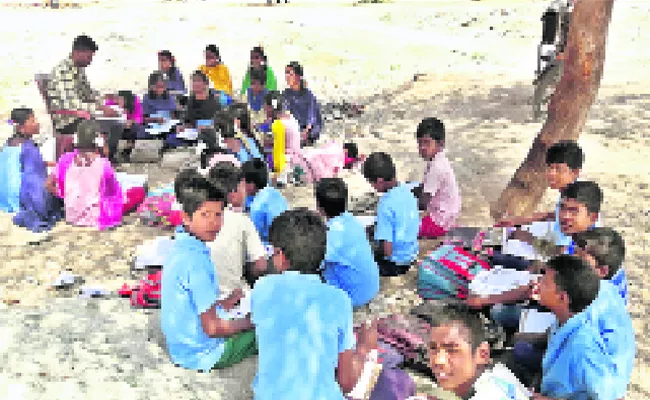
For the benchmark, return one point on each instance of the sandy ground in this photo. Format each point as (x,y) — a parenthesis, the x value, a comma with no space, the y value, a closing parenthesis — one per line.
(478,81)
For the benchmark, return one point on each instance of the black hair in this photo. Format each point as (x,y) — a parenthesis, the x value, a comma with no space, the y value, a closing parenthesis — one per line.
(199,74)
(172,70)
(257,75)
(274,97)
(455,313)
(227,175)
(297,69)
(240,111)
(193,190)
(18,117)
(84,43)
(215,50)
(432,128)
(129,100)
(352,149)
(379,165)
(332,196)
(256,172)
(301,235)
(585,192)
(565,152)
(154,78)
(224,124)
(182,178)
(605,245)
(577,279)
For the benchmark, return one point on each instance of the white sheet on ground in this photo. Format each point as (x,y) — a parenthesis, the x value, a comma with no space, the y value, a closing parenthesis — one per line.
(498,280)
(534,321)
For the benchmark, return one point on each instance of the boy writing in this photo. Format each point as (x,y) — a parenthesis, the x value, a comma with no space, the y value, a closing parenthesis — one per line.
(576,364)
(198,334)
(396,232)
(303,325)
(266,202)
(237,244)
(349,262)
(439,194)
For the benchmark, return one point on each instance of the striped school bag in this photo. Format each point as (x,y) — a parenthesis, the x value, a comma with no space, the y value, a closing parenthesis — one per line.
(447,272)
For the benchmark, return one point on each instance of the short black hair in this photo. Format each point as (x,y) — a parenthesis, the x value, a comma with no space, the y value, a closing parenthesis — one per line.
(224,124)
(199,74)
(20,115)
(431,127)
(227,175)
(256,172)
(257,75)
(213,49)
(184,176)
(452,313)
(379,165)
(332,196)
(240,111)
(195,190)
(301,235)
(605,245)
(154,78)
(84,43)
(565,152)
(577,279)
(585,192)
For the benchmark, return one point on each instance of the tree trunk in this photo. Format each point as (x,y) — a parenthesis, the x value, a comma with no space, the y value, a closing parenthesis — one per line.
(568,107)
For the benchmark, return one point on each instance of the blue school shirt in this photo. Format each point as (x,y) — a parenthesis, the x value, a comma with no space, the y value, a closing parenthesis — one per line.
(610,316)
(349,263)
(562,239)
(189,287)
(267,204)
(398,222)
(576,365)
(301,326)
(244,155)
(619,279)
(256,102)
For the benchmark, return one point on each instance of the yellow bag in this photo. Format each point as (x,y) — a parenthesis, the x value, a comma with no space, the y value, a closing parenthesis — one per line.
(279,159)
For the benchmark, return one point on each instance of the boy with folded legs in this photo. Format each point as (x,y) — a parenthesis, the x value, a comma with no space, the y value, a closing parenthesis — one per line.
(198,331)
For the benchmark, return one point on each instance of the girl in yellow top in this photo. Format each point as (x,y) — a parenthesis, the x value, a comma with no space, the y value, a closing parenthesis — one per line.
(215,70)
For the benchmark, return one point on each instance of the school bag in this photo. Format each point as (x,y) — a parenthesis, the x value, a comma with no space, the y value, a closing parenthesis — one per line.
(10,178)
(447,271)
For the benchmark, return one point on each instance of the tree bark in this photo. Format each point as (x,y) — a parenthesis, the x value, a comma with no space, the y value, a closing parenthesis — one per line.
(568,107)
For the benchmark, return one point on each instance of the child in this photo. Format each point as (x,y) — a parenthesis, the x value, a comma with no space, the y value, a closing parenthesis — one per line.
(37,210)
(238,244)
(86,182)
(260,67)
(439,194)
(157,100)
(202,104)
(133,129)
(304,326)
(242,119)
(396,230)
(171,74)
(302,104)
(576,364)
(349,262)
(244,148)
(198,333)
(217,71)
(266,202)
(459,352)
(284,130)
(254,96)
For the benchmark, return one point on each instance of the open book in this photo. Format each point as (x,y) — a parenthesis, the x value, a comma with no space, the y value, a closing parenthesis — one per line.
(243,309)
(500,383)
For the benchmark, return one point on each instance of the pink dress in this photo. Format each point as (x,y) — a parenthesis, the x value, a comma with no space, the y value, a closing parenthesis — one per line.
(440,182)
(90,192)
(320,162)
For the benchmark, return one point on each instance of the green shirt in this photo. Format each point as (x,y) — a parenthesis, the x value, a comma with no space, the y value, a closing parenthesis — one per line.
(271,83)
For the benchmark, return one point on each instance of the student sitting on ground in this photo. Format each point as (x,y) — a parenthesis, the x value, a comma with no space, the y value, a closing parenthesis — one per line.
(37,210)
(170,72)
(259,66)
(302,104)
(157,100)
(242,147)
(216,70)
(132,129)
(202,104)
(576,364)
(265,203)
(396,231)
(459,352)
(439,194)
(86,182)
(198,332)
(349,263)
(238,245)
(242,119)
(303,325)
(254,96)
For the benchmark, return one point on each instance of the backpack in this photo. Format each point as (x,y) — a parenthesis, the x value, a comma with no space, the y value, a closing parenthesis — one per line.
(447,271)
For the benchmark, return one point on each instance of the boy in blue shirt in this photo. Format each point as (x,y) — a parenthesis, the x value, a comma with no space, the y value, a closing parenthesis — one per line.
(398,219)
(303,325)
(349,263)
(266,201)
(576,364)
(198,333)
